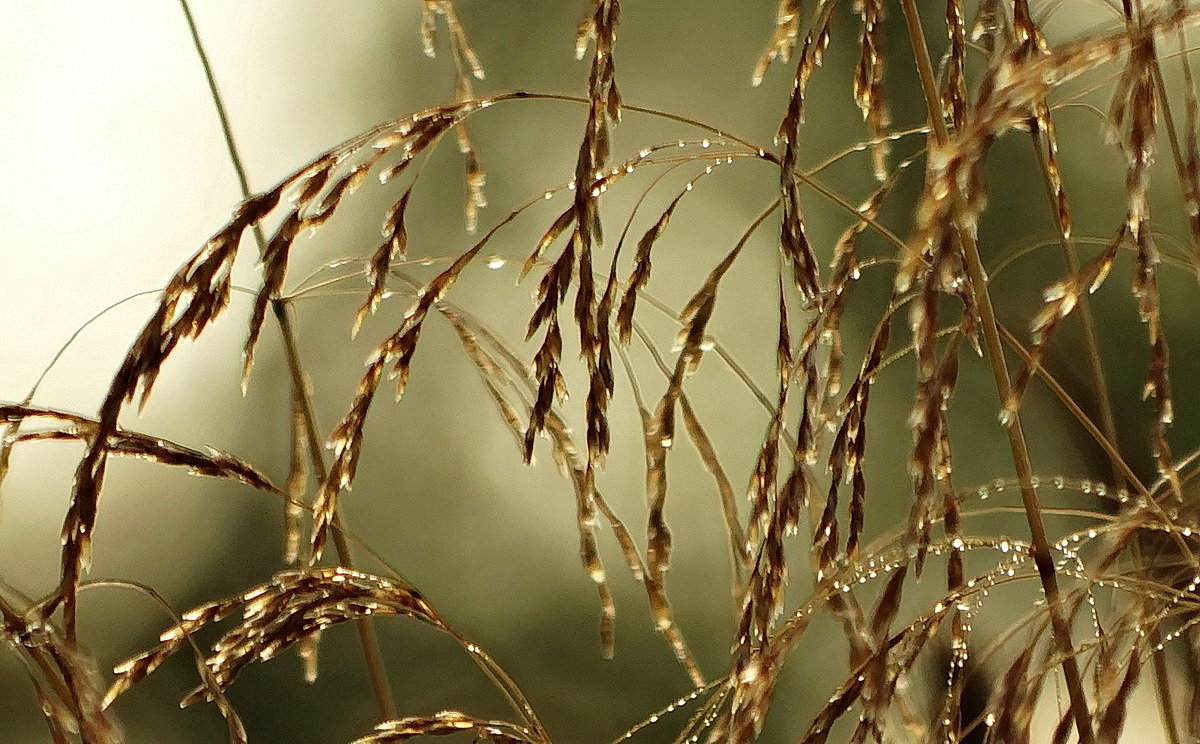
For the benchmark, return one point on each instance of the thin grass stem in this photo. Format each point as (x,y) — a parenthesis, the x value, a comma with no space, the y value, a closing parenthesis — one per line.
(995,353)
(367,636)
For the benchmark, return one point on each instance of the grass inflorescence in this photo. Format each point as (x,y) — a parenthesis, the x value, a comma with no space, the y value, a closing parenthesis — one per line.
(911,290)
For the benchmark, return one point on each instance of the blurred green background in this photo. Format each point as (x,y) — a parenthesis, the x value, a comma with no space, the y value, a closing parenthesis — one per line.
(117,173)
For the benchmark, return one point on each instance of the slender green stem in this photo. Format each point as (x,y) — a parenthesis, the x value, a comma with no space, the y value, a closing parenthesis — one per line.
(366,632)
(1039,543)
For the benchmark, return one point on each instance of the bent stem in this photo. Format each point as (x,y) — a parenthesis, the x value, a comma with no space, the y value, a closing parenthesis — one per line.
(366,632)
(1039,544)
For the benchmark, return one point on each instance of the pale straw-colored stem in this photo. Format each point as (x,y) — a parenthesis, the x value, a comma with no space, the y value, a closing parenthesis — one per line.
(1039,543)
(366,632)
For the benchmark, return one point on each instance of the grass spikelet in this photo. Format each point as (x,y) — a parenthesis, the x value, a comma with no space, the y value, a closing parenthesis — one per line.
(604,109)
(588,500)
(1134,102)
(458,36)
(274,267)
(954,91)
(559,226)
(658,535)
(396,350)
(1059,300)
(868,81)
(695,317)
(494,378)
(641,270)
(551,291)
(763,599)
(849,445)
(214,464)
(763,481)
(1190,176)
(1030,42)
(793,241)
(467,65)
(172,640)
(346,439)
(317,215)
(935,384)
(783,39)
(708,455)
(1015,700)
(395,245)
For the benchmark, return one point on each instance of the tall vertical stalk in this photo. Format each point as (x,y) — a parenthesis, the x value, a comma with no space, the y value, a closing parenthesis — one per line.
(366,632)
(1039,543)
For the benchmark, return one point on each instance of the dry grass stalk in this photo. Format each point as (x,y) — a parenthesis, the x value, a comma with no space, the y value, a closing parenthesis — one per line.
(1138,547)
(196,295)
(1134,101)
(604,108)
